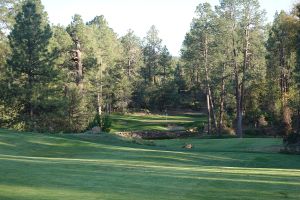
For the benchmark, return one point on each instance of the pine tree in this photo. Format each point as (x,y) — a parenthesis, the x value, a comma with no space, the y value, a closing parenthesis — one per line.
(297,68)
(201,41)
(132,54)
(76,88)
(152,49)
(8,10)
(30,62)
(280,65)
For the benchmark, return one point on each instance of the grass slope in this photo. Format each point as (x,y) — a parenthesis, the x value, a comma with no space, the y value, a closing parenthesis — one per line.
(142,122)
(35,166)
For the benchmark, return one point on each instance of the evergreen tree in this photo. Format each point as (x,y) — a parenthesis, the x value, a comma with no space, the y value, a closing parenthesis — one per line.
(200,42)
(280,65)
(152,49)
(297,68)
(31,62)
(76,91)
(8,10)
(132,54)
(165,63)
(107,51)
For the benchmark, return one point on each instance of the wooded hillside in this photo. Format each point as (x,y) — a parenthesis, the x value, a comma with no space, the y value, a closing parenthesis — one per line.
(242,72)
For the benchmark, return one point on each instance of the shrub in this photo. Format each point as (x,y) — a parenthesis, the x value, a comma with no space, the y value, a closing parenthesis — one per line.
(97,121)
(292,144)
(107,122)
(254,132)
(286,122)
(200,128)
(293,138)
(104,122)
(228,131)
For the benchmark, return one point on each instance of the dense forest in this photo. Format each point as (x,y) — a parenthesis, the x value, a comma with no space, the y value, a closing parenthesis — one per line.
(242,72)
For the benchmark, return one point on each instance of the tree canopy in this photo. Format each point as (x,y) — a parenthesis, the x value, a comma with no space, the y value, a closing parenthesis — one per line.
(240,71)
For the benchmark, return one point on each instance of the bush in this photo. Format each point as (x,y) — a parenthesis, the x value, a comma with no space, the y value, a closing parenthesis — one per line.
(292,144)
(291,139)
(200,128)
(104,122)
(107,122)
(97,121)
(254,132)
(228,131)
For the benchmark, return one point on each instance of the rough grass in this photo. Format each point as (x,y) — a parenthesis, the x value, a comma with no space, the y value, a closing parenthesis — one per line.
(36,166)
(153,122)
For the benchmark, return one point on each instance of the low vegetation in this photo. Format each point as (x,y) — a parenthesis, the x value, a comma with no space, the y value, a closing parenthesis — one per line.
(36,166)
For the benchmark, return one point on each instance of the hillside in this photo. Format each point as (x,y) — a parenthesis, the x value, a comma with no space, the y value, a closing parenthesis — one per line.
(36,166)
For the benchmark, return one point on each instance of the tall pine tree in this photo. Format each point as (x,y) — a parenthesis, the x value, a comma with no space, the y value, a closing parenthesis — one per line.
(30,62)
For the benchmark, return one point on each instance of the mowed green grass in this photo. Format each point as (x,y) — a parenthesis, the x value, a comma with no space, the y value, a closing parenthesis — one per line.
(36,166)
(154,122)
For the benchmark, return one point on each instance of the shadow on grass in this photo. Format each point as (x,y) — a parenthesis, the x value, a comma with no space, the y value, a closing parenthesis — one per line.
(97,177)
(92,167)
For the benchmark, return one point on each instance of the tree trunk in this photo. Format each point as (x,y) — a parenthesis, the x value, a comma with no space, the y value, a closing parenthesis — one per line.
(282,76)
(284,88)
(208,115)
(79,67)
(221,116)
(298,120)
(245,64)
(212,110)
(29,98)
(99,103)
(239,115)
(150,74)
(298,112)
(100,92)
(208,90)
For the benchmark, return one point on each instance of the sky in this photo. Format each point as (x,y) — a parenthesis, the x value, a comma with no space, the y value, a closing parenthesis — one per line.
(171,17)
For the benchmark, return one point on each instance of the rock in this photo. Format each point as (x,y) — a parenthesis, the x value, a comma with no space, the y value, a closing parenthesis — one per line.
(188,146)
(96,130)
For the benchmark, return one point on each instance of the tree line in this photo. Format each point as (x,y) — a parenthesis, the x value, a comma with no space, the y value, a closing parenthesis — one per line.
(242,72)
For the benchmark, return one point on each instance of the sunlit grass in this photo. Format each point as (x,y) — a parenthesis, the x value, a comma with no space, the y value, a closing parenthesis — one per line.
(35,166)
(153,122)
